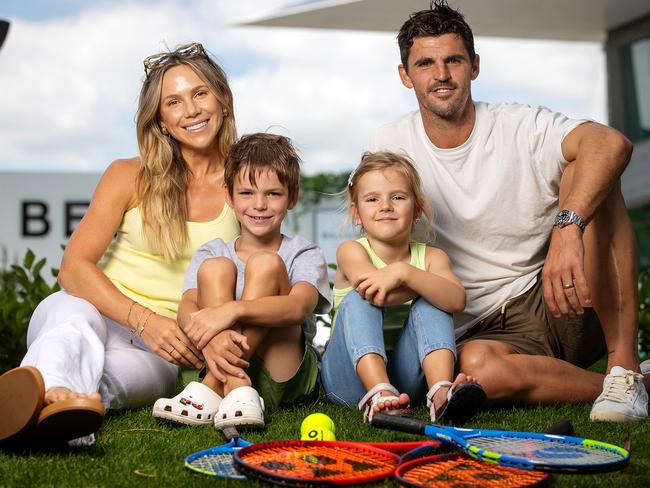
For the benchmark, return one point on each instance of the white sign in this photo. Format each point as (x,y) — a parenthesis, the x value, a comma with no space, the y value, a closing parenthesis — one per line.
(39,211)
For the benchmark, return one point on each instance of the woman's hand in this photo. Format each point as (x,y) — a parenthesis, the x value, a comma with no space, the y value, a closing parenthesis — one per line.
(210,321)
(165,338)
(224,355)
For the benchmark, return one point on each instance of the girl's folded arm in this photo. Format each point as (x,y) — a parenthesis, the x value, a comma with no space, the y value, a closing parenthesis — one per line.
(438,284)
(352,261)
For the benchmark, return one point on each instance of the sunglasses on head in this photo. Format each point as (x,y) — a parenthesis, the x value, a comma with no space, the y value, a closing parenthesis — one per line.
(161,59)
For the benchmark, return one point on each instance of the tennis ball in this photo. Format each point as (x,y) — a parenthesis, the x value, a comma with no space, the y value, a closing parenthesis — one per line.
(318,434)
(317,421)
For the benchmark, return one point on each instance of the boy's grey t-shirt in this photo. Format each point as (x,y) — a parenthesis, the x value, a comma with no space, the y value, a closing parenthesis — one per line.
(304,261)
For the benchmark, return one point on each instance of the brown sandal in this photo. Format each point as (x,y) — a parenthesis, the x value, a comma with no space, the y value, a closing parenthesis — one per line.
(68,419)
(21,396)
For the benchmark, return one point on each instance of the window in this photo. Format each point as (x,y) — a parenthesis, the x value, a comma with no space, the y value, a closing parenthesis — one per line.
(636,62)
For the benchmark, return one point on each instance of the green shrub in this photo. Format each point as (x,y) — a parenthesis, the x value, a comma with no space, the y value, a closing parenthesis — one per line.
(21,288)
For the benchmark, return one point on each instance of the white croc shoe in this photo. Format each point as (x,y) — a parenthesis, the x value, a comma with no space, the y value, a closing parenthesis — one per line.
(624,397)
(195,405)
(242,407)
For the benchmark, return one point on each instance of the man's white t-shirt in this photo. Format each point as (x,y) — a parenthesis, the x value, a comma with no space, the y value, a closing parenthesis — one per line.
(494,197)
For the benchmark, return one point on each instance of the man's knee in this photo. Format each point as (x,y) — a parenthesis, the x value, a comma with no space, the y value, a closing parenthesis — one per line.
(477,357)
(487,361)
(472,358)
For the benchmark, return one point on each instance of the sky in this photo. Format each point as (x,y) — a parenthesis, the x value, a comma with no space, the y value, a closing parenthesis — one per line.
(71,71)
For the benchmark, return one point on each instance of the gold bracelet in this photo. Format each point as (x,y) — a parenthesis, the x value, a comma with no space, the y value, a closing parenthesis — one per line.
(141,321)
(143,325)
(128,315)
(139,327)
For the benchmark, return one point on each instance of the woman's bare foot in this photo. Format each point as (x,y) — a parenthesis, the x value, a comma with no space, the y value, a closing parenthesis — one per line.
(59,393)
(395,404)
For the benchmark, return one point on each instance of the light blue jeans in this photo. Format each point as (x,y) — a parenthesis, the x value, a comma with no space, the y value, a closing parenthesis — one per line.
(358,331)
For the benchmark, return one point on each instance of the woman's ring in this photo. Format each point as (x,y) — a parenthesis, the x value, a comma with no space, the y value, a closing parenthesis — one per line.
(568,286)
(173,349)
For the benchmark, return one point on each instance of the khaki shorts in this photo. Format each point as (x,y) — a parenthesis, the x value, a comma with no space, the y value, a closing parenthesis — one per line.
(302,388)
(531,329)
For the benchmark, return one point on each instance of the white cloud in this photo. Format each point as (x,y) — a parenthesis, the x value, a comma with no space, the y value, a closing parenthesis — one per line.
(69,85)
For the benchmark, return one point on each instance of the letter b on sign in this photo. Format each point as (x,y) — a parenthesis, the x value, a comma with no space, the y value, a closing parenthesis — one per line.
(34,219)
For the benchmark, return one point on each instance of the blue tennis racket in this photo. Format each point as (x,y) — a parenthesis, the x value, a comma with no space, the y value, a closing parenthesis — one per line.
(523,450)
(217,461)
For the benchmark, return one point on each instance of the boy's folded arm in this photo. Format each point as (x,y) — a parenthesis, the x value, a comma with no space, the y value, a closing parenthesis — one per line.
(281,310)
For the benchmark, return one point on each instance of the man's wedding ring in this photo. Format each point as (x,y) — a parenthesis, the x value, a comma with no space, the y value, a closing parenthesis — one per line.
(568,286)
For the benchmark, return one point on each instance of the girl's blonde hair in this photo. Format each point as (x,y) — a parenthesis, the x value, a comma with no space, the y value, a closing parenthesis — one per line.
(162,178)
(383,160)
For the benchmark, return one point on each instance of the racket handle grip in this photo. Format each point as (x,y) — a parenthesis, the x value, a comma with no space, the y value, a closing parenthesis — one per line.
(395,422)
(229,432)
(561,427)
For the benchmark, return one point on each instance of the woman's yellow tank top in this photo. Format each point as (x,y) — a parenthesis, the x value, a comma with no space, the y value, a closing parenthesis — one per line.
(142,274)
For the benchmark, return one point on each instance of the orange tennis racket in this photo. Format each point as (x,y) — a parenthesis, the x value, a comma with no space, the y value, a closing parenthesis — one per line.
(297,462)
(454,470)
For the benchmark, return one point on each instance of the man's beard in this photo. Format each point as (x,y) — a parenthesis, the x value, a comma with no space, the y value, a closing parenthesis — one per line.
(445,110)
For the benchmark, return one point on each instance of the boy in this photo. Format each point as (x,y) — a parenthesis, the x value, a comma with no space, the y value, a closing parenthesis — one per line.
(245,303)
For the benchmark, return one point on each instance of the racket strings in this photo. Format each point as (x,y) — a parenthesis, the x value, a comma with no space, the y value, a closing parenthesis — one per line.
(545,450)
(319,463)
(456,470)
(220,464)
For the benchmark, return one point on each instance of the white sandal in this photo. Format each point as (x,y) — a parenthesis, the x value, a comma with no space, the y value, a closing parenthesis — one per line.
(195,405)
(373,397)
(461,404)
(243,406)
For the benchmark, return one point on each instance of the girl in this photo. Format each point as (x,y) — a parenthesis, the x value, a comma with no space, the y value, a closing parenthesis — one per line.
(387,268)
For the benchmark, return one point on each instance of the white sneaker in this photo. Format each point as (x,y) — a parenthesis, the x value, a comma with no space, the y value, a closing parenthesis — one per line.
(645,367)
(623,398)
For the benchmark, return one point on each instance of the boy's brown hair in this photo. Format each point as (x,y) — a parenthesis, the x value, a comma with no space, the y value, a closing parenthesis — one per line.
(262,152)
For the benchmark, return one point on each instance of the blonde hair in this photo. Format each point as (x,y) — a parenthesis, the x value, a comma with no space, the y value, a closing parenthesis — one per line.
(162,178)
(383,160)
(259,152)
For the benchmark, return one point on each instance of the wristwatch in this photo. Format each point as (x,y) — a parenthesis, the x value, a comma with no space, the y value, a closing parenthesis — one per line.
(566,217)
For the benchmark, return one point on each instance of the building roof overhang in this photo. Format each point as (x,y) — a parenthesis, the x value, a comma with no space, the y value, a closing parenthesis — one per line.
(573,20)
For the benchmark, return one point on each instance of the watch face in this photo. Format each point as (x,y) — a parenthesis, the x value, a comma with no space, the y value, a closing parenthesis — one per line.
(562,218)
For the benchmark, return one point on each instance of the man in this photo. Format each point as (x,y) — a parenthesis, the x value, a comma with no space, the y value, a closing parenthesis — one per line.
(529,208)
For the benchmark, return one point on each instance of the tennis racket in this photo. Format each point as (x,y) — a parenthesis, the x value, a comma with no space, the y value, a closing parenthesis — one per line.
(298,462)
(217,461)
(454,470)
(523,450)
(561,427)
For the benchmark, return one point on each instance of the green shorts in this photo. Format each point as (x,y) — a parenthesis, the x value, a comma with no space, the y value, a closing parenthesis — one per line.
(300,389)
(529,328)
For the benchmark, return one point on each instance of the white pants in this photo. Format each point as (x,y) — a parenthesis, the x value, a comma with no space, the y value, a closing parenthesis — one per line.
(74,346)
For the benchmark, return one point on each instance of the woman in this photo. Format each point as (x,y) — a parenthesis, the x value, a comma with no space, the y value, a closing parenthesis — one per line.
(110,340)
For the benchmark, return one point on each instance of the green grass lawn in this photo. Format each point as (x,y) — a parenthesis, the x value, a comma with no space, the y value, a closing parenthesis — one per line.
(134,449)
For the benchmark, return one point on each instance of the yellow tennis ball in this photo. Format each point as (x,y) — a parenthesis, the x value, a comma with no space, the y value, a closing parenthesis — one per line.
(318,434)
(317,421)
